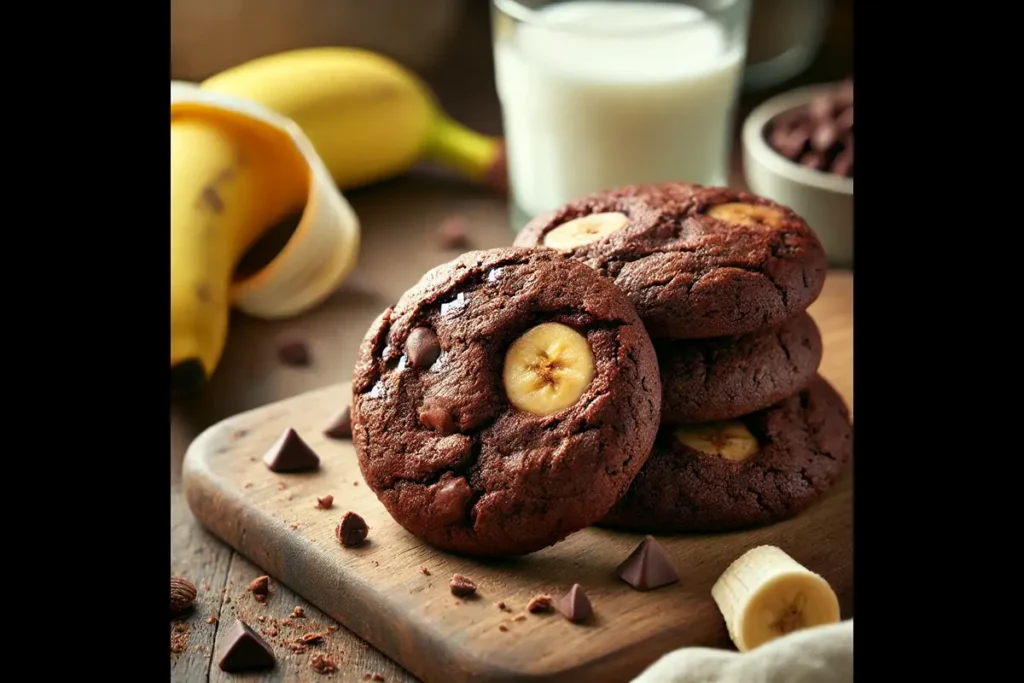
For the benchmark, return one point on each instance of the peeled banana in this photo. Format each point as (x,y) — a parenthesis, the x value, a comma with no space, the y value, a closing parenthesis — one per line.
(547,369)
(368,117)
(236,170)
(766,594)
(729,439)
(585,229)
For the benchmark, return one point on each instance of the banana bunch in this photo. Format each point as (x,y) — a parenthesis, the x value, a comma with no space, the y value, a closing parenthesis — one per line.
(275,137)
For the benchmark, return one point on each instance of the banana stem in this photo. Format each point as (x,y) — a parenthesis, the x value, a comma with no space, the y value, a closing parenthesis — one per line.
(474,155)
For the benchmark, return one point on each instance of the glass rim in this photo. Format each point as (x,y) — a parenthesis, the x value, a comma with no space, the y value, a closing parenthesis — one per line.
(519,12)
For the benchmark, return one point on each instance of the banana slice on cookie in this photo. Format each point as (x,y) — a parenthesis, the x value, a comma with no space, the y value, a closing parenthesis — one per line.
(766,594)
(729,439)
(547,369)
(585,229)
(747,214)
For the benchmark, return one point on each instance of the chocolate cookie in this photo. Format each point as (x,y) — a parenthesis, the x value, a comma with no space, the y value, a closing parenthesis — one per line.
(704,380)
(760,469)
(697,262)
(507,400)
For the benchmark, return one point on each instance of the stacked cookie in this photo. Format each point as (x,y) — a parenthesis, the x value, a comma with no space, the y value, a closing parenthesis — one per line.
(749,433)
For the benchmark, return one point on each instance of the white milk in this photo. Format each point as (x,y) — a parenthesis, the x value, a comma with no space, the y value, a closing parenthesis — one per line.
(640,92)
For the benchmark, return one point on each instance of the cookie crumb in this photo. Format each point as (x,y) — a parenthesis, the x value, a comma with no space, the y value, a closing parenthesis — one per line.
(325,503)
(281,486)
(293,527)
(378,676)
(205,587)
(540,603)
(247,485)
(212,620)
(324,664)
(519,617)
(352,530)
(502,606)
(424,571)
(461,586)
(502,627)
(260,588)
(332,629)
(312,638)
(355,483)
(298,612)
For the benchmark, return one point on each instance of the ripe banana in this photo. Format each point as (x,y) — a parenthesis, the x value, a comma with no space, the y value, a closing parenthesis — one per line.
(747,214)
(547,369)
(236,170)
(766,594)
(585,229)
(730,439)
(367,116)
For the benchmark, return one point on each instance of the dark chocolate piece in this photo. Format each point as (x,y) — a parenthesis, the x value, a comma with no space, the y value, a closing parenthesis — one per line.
(352,530)
(293,350)
(291,454)
(341,426)
(244,649)
(648,567)
(575,605)
(422,347)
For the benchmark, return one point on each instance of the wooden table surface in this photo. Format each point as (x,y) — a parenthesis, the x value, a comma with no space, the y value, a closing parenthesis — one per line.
(398,218)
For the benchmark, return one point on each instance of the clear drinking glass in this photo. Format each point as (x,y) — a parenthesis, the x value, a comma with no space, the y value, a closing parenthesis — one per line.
(601,93)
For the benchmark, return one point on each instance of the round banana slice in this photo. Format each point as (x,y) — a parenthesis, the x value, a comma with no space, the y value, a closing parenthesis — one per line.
(747,214)
(585,229)
(766,594)
(547,369)
(730,439)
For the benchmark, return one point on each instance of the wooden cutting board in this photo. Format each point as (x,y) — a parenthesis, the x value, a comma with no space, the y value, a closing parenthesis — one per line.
(380,592)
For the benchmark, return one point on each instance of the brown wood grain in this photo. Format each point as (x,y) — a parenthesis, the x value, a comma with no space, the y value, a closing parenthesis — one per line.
(379,591)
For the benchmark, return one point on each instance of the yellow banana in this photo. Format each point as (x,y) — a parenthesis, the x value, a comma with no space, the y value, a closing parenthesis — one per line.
(368,117)
(236,170)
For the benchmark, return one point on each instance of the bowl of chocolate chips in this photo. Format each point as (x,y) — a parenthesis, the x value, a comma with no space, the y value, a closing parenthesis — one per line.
(798,150)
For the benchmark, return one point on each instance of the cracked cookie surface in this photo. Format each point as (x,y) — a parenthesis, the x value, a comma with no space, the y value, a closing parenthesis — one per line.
(452,460)
(704,380)
(805,444)
(691,275)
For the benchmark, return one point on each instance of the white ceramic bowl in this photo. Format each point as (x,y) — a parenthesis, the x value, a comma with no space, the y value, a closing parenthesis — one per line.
(824,200)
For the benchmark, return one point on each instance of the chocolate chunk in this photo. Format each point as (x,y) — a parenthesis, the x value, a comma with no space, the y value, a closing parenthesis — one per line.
(341,426)
(422,347)
(648,567)
(825,136)
(293,350)
(789,143)
(461,586)
(352,530)
(244,649)
(843,164)
(291,454)
(438,419)
(813,159)
(325,503)
(540,603)
(260,586)
(844,122)
(822,107)
(451,234)
(575,605)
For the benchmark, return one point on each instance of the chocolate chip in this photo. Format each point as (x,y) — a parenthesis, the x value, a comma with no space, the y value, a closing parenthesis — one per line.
(292,350)
(843,164)
(648,567)
(438,419)
(790,143)
(341,426)
(325,503)
(291,454)
(540,603)
(825,136)
(451,234)
(352,530)
(813,159)
(575,605)
(461,586)
(422,348)
(244,649)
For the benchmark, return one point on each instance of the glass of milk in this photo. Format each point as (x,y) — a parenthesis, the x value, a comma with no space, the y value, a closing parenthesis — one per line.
(601,93)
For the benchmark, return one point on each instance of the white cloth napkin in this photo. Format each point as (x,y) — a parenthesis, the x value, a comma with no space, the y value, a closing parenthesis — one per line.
(823,654)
